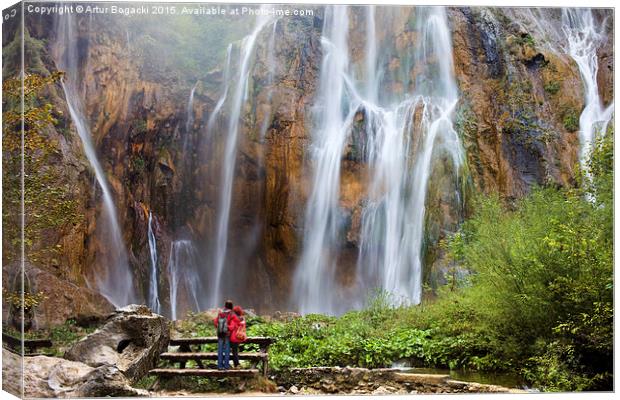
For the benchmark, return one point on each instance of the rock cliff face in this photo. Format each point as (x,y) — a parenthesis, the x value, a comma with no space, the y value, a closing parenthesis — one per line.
(519,96)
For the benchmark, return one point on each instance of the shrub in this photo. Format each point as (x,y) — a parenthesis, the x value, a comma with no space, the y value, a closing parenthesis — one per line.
(571,120)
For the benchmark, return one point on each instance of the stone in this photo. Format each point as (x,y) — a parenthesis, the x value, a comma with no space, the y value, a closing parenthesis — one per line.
(335,380)
(131,340)
(381,390)
(294,389)
(107,381)
(56,377)
(456,384)
(422,379)
(63,299)
(284,316)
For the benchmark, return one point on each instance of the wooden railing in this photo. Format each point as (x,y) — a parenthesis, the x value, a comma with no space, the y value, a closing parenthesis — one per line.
(190,349)
(31,345)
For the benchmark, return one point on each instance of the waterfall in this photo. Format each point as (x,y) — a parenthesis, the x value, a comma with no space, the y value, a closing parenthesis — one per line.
(314,286)
(583,39)
(220,102)
(189,123)
(403,138)
(371,55)
(116,283)
(393,219)
(153,287)
(184,276)
(230,155)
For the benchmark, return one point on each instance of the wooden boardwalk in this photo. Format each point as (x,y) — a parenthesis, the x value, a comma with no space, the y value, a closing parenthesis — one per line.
(31,345)
(190,349)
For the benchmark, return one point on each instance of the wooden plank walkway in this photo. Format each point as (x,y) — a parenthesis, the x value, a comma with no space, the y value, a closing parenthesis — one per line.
(186,353)
(31,345)
(204,372)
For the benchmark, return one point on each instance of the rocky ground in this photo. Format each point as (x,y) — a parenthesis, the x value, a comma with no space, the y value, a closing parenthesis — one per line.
(362,381)
(107,362)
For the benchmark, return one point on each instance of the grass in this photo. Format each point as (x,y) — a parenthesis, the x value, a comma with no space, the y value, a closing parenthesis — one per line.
(62,336)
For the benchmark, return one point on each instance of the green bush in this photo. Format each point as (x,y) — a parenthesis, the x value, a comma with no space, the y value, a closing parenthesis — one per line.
(571,120)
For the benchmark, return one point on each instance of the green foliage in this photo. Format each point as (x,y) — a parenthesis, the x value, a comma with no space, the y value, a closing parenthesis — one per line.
(526,39)
(552,87)
(378,336)
(146,382)
(26,300)
(62,336)
(12,53)
(570,120)
(597,179)
(542,272)
(47,198)
(138,164)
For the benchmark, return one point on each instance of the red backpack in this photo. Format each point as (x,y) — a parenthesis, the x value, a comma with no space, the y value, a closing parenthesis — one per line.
(241,333)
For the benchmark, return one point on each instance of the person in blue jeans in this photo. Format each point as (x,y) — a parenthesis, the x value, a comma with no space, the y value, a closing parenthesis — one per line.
(224,320)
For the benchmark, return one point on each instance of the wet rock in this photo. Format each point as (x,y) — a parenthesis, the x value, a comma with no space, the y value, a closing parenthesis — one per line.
(131,340)
(284,316)
(422,379)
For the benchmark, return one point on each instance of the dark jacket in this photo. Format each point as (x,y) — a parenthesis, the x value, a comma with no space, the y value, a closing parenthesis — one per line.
(231,319)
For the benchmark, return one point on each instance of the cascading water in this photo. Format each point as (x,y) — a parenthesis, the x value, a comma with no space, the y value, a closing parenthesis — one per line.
(184,277)
(116,282)
(393,220)
(153,303)
(230,156)
(583,39)
(220,102)
(371,56)
(314,286)
(189,123)
(399,150)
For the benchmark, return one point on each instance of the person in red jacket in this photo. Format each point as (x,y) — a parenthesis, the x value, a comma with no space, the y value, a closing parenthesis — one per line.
(237,334)
(224,321)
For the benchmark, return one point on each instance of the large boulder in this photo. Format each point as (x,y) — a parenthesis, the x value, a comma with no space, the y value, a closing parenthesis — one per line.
(131,340)
(56,377)
(63,299)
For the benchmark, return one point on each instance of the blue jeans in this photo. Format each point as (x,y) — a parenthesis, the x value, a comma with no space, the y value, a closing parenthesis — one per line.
(223,353)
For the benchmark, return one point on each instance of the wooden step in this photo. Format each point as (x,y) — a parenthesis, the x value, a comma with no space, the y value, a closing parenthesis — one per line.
(209,356)
(31,344)
(203,372)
